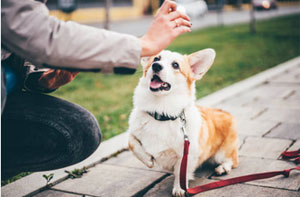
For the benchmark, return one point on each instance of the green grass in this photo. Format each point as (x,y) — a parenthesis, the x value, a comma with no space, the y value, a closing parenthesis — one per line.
(239,55)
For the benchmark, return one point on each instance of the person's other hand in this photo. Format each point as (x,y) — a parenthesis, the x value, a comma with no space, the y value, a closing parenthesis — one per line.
(53,79)
(168,23)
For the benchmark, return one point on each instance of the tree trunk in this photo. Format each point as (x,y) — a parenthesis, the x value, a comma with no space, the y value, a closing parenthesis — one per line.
(107,14)
(252,19)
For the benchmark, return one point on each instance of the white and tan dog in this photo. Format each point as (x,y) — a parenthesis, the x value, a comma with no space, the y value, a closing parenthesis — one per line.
(165,92)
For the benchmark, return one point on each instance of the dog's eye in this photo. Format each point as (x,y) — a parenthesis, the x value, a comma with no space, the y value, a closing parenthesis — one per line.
(156,59)
(175,65)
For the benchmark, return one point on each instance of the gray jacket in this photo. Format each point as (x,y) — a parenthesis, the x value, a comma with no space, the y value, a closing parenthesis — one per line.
(28,31)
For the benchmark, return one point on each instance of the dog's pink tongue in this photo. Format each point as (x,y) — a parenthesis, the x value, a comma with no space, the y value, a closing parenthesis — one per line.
(155,84)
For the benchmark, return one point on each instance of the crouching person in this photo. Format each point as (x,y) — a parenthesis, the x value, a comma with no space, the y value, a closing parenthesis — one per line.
(41,132)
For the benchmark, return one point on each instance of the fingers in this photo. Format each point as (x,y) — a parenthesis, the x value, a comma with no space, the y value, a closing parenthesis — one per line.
(167,6)
(176,14)
(181,22)
(181,30)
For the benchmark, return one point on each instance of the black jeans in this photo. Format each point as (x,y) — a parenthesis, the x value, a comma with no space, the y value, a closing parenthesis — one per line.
(41,132)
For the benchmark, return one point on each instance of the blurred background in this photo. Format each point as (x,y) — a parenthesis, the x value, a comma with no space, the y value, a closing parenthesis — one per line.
(249,36)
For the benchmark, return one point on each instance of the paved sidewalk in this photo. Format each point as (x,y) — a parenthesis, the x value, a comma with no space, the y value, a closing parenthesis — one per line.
(267,109)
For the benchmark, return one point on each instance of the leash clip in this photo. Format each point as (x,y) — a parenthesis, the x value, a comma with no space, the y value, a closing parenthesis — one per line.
(183,121)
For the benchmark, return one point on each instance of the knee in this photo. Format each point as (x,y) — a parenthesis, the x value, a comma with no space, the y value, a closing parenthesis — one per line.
(82,134)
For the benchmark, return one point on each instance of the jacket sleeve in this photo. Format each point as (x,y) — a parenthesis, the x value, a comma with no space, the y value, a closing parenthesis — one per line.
(29,31)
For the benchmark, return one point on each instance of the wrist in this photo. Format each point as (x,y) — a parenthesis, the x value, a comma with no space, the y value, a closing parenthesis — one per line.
(145,48)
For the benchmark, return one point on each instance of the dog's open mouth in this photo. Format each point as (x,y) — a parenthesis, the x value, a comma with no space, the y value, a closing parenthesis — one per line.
(158,85)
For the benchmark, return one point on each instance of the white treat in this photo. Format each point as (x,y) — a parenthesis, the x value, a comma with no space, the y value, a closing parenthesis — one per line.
(181,9)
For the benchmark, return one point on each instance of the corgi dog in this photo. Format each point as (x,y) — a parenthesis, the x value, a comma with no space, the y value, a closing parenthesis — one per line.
(164,94)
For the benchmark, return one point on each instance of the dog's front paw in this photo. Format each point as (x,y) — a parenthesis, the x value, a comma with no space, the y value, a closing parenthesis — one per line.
(178,192)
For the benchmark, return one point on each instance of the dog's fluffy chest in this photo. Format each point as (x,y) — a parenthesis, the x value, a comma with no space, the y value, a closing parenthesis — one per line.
(164,139)
(157,136)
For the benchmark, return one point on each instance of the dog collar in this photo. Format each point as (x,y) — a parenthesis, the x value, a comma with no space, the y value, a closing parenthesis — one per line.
(164,117)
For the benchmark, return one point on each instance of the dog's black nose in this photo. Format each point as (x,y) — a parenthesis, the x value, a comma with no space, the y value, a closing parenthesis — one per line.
(156,67)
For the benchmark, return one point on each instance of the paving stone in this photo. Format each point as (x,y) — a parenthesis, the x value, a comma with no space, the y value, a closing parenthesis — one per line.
(276,103)
(295,94)
(110,180)
(263,92)
(289,76)
(51,193)
(286,131)
(250,165)
(267,92)
(241,113)
(275,96)
(238,100)
(255,128)
(281,115)
(283,104)
(264,147)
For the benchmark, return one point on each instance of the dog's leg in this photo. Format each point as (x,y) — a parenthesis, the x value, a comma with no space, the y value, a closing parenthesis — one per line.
(177,191)
(136,146)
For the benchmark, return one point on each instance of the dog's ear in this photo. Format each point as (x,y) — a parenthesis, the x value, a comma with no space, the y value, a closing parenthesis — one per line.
(144,61)
(201,61)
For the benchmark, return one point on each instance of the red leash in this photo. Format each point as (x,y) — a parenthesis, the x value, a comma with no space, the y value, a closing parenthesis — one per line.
(241,179)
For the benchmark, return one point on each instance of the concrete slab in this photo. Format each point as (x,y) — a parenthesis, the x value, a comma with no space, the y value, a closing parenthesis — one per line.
(110,180)
(289,76)
(242,113)
(281,115)
(264,147)
(259,95)
(271,95)
(286,131)
(250,165)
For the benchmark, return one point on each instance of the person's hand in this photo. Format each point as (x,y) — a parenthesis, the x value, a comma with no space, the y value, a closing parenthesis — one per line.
(53,79)
(168,23)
